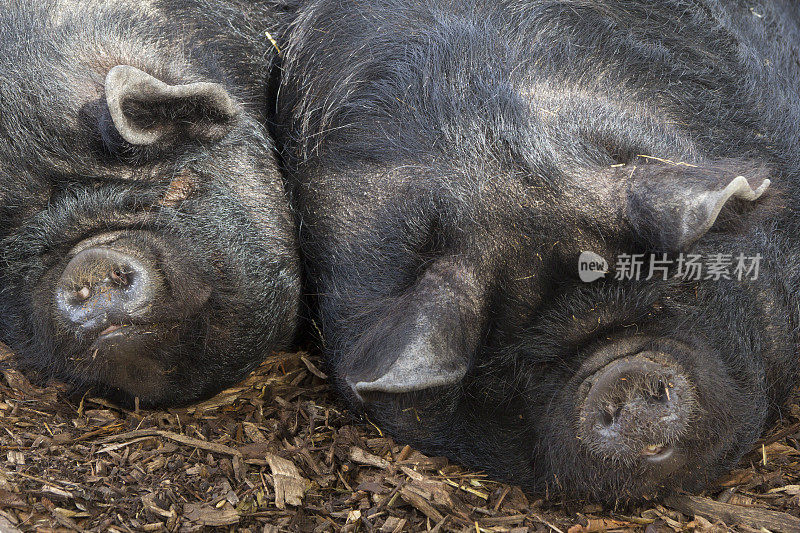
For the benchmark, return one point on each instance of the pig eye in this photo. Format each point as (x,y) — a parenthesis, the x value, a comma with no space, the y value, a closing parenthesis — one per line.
(621,153)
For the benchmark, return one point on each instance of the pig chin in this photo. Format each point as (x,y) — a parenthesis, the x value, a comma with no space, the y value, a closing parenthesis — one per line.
(136,374)
(132,359)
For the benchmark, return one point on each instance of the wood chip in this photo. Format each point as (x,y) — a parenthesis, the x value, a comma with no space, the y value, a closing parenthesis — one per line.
(7,527)
(15,457)
(253,433)
(119,446)
(182,439)
(357,455)
(393,525)
(9,499)
(208,515)
(421,504)
(148,501)
(404,453)
(54,493)
(794,490)
(313,368)
(512,520)
(290,486)
(596,525)
(733,515)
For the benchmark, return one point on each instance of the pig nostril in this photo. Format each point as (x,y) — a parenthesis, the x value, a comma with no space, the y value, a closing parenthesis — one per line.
(607,417)
(120,278)
(83,294)
(660,393)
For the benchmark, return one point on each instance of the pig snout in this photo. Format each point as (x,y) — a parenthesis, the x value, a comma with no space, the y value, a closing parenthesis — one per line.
(123,298)
(636,411)
(125,304)
(101,288)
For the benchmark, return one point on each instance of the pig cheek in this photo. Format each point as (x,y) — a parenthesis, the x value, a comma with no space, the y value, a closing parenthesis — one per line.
(261,202)
(42,307)
(724,394)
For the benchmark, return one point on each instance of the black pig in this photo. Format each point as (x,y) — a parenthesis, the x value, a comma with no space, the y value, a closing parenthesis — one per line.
(453,159)
(147,243)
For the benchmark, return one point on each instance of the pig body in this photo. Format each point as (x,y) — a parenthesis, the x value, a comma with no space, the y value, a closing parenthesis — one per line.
(452,160)
(148,247)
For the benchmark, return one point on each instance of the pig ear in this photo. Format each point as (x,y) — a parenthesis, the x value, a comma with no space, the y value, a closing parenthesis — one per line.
(145,110)
(426,339)
(672,206)
(422,354)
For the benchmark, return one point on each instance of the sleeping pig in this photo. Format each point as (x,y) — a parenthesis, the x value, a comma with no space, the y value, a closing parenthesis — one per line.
(460,166)
(148,247)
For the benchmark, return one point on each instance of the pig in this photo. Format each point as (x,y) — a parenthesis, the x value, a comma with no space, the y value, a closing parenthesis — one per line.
(148,245)
(453,161)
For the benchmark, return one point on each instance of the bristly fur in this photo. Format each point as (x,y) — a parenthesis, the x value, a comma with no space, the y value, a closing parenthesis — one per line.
(505,138)
(66,175)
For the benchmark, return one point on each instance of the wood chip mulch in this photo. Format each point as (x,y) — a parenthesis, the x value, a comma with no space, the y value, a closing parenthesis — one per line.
(279,453)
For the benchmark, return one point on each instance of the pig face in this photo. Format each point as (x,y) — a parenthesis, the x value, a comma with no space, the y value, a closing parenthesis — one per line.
(451,172)
(148,246)
(664,396)
(609,390)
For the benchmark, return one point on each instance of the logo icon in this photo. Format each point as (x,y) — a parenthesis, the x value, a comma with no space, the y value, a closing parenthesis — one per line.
(591,267)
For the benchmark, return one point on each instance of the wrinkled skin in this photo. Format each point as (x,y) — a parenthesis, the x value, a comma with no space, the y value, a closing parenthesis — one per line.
(148,248)
(452,160)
